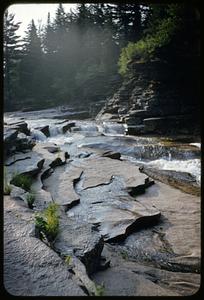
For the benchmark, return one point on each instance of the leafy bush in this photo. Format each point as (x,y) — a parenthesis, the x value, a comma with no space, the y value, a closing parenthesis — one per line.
(159,36)
(47,222)
(23,181)
(30,198)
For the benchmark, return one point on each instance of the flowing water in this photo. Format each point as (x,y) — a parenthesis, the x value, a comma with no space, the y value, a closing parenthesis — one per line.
(87,134)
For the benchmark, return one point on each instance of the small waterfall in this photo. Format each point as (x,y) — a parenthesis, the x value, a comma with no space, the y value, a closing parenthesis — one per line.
(114,128)
(88,127)
(38,135)
(55,130)
(198,145)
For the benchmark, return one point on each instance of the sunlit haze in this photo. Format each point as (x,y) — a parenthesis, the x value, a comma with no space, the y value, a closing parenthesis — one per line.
(38,12)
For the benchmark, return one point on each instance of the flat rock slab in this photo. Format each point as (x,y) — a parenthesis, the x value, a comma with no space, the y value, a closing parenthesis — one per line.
(175,243)
(100,170)
(181,180)
(37,162)
(43,197)
(24,163)
(127,278)
(78,239)
(104,200)
(61,185)
(30,267)
(43,149)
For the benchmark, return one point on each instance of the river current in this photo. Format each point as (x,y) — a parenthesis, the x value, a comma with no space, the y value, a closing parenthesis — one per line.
(87,134)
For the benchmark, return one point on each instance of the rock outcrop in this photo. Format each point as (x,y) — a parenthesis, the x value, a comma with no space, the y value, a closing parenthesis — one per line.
(158,98)
(16,139)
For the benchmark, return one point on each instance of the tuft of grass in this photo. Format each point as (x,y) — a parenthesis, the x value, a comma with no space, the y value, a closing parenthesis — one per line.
(30,198)
(68,259)
(7,189)
(47,222)
(124,255)
(22,181)
(7,186)
(99,290)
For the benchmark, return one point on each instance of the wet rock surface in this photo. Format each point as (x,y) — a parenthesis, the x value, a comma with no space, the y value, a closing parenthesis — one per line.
(119,227)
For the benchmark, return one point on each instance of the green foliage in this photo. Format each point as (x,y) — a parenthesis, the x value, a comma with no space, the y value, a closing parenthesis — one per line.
(22,181)
(99,290)
(124,255)
(7,186)
(47,222)
(158,36)
(7,189)
(75,55)
(30,198)
(40,222)
(12,52)
(68,259)
(52,220)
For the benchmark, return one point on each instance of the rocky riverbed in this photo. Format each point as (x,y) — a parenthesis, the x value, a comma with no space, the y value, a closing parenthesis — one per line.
(129,209)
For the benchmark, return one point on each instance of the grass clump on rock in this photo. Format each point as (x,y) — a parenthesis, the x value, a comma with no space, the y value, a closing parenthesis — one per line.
(99,290)
(30,198)
(47,223)
(22,181)
(7,186)
(7,189)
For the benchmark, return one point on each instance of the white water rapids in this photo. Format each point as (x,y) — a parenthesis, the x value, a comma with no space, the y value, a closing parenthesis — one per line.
(111,136)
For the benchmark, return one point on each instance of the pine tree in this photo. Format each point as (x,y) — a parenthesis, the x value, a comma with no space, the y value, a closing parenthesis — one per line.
(31,67)
(49,41)
(12,54)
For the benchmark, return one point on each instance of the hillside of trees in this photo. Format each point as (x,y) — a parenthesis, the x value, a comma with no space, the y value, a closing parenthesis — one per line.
(83,56)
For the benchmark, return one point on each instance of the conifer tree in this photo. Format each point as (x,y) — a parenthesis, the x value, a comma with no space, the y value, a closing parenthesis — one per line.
(12,54)
(31,67)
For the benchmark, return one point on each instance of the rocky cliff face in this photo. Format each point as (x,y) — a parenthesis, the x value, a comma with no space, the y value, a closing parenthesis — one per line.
(159,97)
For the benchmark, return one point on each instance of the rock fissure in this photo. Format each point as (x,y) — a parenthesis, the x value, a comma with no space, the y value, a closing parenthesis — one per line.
(19,159)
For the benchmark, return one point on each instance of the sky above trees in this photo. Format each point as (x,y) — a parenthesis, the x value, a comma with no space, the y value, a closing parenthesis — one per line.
(38,12)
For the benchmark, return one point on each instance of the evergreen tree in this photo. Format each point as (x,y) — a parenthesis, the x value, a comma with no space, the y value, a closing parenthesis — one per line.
(31,70)
(12,54)
(49,41)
